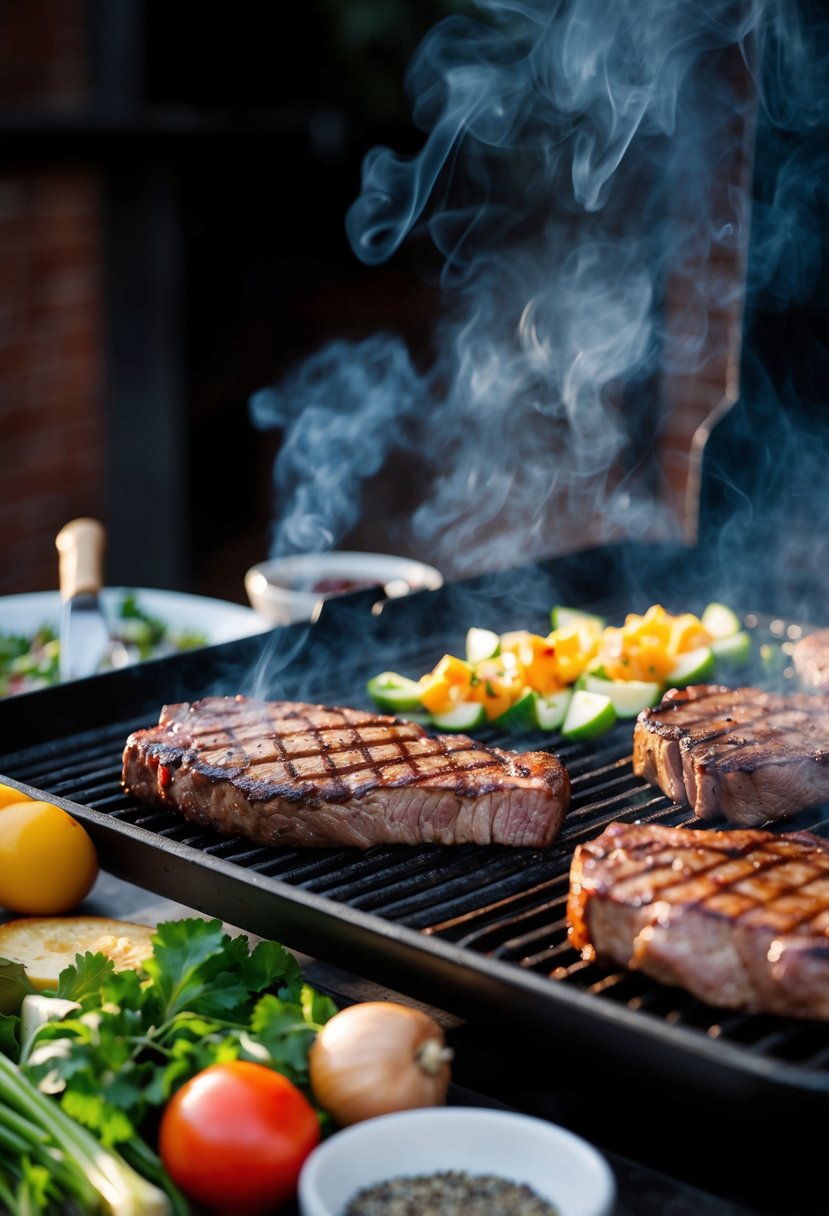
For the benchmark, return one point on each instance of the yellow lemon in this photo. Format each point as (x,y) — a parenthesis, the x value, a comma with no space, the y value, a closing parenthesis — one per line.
(8,795)
(48,862)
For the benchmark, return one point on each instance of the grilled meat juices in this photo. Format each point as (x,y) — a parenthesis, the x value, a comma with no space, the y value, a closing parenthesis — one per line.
(739,918)
(289,774)
(748,755)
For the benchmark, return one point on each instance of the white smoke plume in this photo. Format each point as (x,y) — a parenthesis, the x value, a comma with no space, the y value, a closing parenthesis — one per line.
(580,157)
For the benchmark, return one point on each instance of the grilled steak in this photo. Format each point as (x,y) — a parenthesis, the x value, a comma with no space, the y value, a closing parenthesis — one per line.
(810,656)
(286,773)
(739,918)
(748,755)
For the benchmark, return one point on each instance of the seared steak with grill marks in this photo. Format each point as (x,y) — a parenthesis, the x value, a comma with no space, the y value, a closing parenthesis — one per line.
(748,755)
(810,656)
(739,918)
(286,773)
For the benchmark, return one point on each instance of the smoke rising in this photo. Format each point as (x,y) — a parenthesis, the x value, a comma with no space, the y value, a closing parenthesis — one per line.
(584,179)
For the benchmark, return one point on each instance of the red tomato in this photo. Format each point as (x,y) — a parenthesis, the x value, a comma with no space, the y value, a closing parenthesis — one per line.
(235,1137)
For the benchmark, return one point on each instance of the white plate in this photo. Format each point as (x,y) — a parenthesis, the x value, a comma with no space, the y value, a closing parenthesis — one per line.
(218,620)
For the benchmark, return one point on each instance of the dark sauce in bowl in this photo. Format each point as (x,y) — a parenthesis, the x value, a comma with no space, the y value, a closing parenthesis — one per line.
(340,586)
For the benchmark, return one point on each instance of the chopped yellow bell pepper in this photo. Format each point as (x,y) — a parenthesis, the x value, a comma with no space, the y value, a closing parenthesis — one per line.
(575,646)
(646,647)
(687,633)
(497,684)
(446,685)
(537,658)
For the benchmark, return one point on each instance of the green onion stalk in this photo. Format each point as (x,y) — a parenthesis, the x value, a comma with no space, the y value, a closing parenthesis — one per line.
(37,1135)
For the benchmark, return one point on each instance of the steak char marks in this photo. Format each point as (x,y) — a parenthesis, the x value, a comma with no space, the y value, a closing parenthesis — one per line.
(289,774)
(739,918)
(748,755)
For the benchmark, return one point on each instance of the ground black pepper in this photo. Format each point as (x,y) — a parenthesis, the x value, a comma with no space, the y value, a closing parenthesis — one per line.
(452,1193)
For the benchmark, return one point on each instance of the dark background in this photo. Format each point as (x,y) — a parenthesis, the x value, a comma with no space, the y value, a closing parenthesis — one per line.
(215,148)
(288,99)
(269,111)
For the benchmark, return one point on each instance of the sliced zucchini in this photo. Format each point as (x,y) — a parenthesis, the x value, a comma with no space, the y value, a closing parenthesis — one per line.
(695,667)
(720,621)
(734,649)
(481,644)
(469,715)
(550,711)
(589,715)
(594,669)
(519,717)
(394,693)
(629,697)
(562,617)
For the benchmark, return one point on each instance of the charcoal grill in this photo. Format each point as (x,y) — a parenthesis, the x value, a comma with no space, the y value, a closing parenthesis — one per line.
(475,930)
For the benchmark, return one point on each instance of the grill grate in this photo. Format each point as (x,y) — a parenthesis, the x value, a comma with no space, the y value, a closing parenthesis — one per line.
(491,902)
(467,927)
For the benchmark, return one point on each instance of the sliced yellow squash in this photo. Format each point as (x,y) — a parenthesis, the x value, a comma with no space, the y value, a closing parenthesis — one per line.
(46,945)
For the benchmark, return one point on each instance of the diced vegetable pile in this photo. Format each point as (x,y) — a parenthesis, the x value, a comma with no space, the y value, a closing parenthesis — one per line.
(578,679)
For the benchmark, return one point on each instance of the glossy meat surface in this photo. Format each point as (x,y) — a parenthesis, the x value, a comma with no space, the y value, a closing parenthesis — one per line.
(738,918)
(744,754)
(288,773)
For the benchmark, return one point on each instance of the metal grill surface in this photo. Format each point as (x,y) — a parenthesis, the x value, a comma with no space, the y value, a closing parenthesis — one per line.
(469,928)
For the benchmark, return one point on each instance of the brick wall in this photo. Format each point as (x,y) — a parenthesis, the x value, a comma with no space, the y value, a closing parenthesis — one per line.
(52,433)
(43,59)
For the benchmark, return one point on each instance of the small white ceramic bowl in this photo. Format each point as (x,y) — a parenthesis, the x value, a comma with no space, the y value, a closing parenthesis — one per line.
(559,1166)
(288,589)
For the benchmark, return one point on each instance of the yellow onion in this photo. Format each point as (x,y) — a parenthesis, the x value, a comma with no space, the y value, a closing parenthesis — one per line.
(378,1057)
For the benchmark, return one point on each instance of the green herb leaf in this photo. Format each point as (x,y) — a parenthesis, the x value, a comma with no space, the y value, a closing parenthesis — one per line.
(85,977)
(270,963)
(8,1035)
(316,1007)
(199,967)
(111,1125)
(281,1028)
(36,1186)
(188,956)
(14,985)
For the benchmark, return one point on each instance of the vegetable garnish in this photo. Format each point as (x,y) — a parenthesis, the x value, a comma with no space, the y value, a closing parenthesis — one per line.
(49,1159)
(46,945)
(236,1136)
(522,681)
(113,1063)
(378,1057)
(150,634)
(48,861)
(29,662)
(205,997)
(10,795)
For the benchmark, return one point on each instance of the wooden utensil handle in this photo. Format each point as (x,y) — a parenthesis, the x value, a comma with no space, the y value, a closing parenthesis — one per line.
(80,545)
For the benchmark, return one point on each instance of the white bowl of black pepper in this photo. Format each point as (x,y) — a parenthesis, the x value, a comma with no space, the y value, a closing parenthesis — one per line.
(456,1161)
